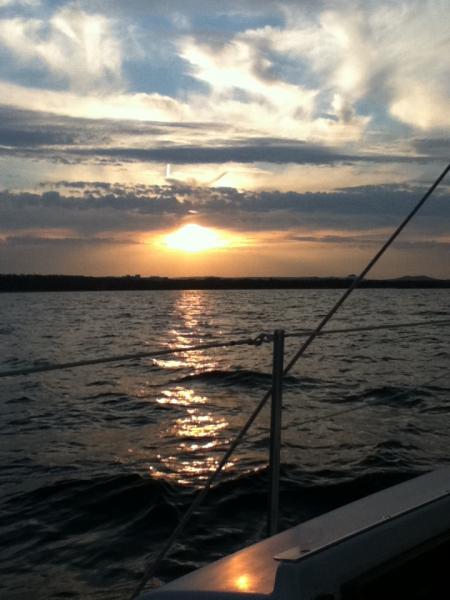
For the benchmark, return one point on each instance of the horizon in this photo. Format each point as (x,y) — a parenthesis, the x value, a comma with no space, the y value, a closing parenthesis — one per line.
(202,140)
(138,276)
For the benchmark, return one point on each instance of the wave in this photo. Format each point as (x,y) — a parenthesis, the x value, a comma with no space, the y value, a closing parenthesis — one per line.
(128,498)
(7,330)
(110,523)
(388,395)
(20,400)
(241,377)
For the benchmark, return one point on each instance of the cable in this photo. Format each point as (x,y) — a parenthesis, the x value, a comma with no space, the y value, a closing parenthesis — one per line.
(370,328)
(257,341)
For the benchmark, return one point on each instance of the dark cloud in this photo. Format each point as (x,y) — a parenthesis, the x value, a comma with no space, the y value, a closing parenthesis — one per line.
(87,215)
(364,242)
(90,209)
(25,129)
(22,128)
(68,140)
(271,152)
(32,240)
(437,147)
(35,137)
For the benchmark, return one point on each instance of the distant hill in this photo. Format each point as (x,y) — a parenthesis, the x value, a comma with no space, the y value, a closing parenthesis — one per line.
(416,278)
(72,283)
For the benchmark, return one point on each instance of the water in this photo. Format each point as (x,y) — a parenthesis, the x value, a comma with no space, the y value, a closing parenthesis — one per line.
(98,463)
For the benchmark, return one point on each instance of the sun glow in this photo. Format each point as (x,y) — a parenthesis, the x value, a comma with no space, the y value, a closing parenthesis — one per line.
(195,238)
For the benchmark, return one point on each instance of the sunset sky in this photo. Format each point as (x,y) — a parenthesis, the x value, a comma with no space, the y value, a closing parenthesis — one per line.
(209,137)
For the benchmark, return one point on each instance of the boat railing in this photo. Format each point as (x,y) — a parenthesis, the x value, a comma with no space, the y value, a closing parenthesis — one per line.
(279,371)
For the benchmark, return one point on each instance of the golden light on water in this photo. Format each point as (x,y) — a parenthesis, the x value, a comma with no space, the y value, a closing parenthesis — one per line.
(196,431)
(201,426)
(195,238)
(180,396)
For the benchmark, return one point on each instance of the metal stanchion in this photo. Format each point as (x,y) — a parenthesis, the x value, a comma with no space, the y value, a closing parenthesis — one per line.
(275,431)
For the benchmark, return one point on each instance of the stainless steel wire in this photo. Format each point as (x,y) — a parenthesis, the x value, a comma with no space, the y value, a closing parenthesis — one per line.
(368,328)
(257,341)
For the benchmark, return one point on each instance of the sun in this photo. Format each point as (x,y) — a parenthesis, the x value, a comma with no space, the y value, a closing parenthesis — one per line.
(195,238)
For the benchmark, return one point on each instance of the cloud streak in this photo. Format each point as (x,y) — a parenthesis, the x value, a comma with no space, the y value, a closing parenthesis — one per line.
(60,138)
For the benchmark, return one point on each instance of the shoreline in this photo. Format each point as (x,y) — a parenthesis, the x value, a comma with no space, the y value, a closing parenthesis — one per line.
(79,283)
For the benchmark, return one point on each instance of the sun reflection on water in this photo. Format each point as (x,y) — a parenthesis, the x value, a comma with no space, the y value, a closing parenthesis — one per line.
(194,435)
(190,459)
(181,396)
(191,312)
(169,363)
(198,426)
(186,472)
(199,360)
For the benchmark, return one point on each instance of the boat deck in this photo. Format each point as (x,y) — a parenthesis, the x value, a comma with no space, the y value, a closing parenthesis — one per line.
(328,553)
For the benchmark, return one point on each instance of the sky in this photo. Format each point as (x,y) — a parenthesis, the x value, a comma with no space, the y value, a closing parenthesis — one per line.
(223,138)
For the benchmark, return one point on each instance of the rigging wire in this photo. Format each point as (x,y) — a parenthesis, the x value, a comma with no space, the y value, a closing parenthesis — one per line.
(364,328)
(153,565)
(257,341)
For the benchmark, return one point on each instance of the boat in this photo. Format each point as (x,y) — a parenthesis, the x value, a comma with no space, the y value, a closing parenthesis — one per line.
(392,544)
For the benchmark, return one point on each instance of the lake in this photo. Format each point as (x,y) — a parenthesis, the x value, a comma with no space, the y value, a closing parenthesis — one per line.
(98,463)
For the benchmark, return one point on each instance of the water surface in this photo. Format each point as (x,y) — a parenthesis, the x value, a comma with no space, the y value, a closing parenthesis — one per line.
(99,462)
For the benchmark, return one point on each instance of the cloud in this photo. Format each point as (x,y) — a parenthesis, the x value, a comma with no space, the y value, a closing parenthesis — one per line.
(83,209)
(363,241)
(264,86)
(21,128)
(138,107)
(391,55)
(351,54)
(72,140)
(277,152)
(100,227)
(9,3)
(43,240)
(74,46)
(242,65)
(309,96)
(332,76)
(310,77)
(436,146)
(423,108)
(246,87)
(273,151)
(111,210)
